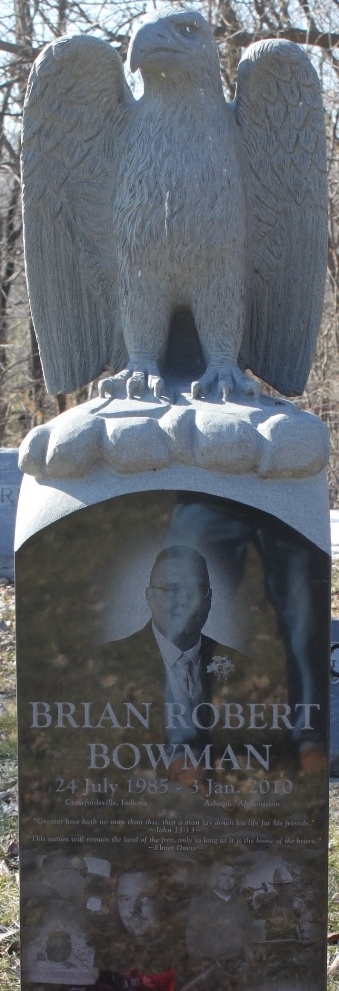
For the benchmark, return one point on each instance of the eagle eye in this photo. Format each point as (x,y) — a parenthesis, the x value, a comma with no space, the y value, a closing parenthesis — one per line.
(188,28)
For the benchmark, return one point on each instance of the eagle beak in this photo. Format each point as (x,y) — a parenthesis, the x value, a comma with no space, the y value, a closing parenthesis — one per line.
(148,40)
(138,46)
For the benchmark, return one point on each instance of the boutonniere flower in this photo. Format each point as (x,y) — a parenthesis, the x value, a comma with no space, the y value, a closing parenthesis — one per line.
(222,667)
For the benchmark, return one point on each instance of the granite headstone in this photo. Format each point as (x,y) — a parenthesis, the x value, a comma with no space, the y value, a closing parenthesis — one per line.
(176,829)
(173,546)
(10,481)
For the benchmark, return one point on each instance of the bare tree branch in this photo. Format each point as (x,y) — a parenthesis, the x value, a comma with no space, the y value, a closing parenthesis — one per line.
(13,49)
(242,38)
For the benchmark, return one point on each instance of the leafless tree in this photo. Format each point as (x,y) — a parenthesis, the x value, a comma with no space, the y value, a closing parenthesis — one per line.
(25,27)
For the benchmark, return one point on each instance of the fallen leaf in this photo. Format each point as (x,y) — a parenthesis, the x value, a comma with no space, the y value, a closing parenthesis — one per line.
(14,947)
(332,938)
(13,850)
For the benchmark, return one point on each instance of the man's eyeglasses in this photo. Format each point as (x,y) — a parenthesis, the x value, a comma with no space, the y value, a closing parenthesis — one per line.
(176,589)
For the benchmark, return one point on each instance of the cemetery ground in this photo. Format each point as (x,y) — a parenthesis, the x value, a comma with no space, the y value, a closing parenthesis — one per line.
(9,888)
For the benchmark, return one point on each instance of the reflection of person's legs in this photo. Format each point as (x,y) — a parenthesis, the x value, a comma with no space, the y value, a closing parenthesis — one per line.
(295,579)
(295,575)
(208,526)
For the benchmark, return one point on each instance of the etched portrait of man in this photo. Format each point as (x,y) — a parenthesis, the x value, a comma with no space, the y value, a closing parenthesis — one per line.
(184,671)
(179,598)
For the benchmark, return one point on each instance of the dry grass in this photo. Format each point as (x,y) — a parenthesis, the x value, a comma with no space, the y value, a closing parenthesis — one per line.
(335,589)
(9,959)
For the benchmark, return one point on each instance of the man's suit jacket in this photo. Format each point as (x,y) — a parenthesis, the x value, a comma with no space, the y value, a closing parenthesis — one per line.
(139,676)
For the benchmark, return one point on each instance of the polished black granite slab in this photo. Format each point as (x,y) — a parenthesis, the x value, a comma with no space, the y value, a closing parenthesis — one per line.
(173,787)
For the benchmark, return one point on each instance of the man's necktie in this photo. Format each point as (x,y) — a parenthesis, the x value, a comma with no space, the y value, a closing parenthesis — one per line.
(186,674)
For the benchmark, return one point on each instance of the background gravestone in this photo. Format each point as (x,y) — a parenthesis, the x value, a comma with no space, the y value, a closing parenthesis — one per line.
(334,700)
(10,481)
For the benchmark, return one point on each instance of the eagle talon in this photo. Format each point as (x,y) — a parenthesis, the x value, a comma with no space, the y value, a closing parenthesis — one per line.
(200,389)
(226,380)
(104,388)
(111,386)
(197,390)
(135,384)
(156,385)
(239,379)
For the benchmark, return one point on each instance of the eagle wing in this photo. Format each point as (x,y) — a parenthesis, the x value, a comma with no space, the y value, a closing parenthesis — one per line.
(279,108)
(76,108)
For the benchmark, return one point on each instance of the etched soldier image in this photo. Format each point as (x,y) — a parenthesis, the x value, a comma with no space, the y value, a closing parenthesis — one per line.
(219,925)
(59,877)
(259,872)
(139,905)
(143,934)
(59,953)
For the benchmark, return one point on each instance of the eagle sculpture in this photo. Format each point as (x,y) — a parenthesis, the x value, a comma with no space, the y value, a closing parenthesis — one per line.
(137,209)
